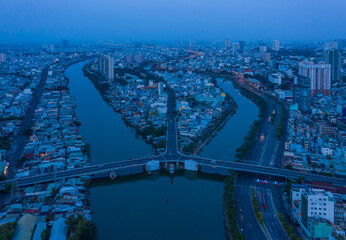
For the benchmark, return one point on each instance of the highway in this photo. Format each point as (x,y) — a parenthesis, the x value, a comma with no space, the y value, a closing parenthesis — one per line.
(247,221)
(272,223)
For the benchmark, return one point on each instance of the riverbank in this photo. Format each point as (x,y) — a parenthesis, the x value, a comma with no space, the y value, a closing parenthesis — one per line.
(211,132)
(152,128)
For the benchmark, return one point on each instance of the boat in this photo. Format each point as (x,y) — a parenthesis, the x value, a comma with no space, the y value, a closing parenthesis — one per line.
(171,168)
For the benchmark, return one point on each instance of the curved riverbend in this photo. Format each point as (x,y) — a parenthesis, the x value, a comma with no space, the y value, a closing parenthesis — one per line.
(137,208)
(224,145)
(188,206)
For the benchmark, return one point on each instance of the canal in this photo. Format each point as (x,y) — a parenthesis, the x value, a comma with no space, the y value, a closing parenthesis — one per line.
(229,139)
(188,206)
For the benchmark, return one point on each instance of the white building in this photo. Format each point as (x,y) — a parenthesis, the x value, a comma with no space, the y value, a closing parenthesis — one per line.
(276,45)
(317,202)
(275,78)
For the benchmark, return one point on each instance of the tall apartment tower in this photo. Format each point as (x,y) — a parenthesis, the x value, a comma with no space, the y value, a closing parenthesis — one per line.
(319,75)
(106,67)
(2,57)
(235,47)
(333,57)
(242,46)
(276,45)
(301,93)
(227,43)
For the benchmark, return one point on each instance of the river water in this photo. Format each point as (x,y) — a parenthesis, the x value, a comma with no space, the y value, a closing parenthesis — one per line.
(188,206)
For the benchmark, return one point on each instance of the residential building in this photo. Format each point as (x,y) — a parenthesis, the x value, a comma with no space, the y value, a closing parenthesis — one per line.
(235,47)
(317,202)
(2,57)
(275,78)
(106,67)
(276,45)
(301,93)
(319,75)
(333,57)
(242,46)
(262,48)
(227,43)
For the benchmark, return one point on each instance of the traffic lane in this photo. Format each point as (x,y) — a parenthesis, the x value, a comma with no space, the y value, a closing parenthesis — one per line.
(271,221)
(247,220)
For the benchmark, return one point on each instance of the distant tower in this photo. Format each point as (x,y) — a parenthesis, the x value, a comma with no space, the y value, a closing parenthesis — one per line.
(106,67)
(301,93)
(65,43)
(262,48)
(242,46)
(333,57)
(276,45)
(227,43)
(2,57)
(235,47)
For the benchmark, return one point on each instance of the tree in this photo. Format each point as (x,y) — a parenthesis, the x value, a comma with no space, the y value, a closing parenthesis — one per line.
(45,234)
(7,230)
(8,187)
(81,228)
(27,132)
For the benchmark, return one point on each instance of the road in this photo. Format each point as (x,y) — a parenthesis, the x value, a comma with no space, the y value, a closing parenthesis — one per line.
(247,221)
(264,197)
(171,152)
(264,152)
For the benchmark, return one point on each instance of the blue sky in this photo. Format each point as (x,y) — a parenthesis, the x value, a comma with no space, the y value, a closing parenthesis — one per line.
(118,20)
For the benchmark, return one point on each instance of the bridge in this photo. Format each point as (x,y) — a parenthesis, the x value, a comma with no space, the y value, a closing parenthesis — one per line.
(170,156)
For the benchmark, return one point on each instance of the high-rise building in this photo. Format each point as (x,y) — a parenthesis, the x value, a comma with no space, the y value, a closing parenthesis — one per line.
(333,57)
(65,43)
(319,75)
(235,47)
(301,93)
(341,43)
(2,57)
(160,88)
(276,45)
(227,43)
(262,48)
(106,67)
(242,46)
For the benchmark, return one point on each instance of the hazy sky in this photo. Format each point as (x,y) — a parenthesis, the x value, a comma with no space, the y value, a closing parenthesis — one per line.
(54,20)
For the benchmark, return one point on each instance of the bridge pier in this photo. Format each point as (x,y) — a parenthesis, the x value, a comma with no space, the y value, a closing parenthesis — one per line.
(153,165)
(191,165)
